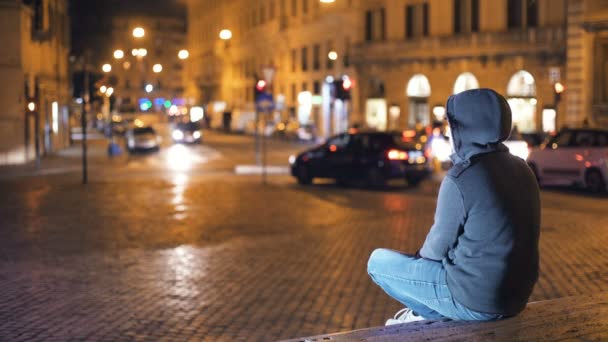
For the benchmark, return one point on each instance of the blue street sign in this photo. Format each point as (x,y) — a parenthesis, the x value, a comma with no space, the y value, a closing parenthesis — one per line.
(264,102)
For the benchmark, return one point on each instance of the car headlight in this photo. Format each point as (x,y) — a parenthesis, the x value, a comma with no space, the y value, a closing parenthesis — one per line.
(178,135)
(292,159)
(196,135)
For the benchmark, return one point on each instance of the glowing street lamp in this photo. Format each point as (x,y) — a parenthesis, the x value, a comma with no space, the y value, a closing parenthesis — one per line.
(183,54)
(103,89)
(149,88)
(106,68)
(333,55)
(119,54)
(135,52)
(139,32)
(110,91)
(31,106)
(157,68)
(225,34)
(142,52)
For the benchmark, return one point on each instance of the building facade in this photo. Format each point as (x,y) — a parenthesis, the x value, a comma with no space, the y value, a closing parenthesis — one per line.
(403,57)
(587,82)
(34,71)
(147,71)
(291,39)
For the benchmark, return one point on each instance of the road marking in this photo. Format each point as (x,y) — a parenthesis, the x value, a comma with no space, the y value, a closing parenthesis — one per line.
(257,170)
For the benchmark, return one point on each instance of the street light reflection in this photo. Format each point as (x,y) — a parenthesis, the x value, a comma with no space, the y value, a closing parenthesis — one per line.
(179,158)
(179,181)
(181,261)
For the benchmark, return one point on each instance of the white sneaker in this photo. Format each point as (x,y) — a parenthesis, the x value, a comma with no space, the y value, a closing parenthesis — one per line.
(404,316)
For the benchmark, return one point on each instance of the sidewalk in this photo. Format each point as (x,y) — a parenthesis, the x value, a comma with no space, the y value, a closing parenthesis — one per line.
(67,160)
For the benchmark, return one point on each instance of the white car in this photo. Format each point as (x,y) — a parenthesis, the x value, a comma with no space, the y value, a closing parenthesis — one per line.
(573,157)
(142,138)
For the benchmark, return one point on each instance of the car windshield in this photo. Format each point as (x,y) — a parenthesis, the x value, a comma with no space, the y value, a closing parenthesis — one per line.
(188,126)
(388,140)
(143,130)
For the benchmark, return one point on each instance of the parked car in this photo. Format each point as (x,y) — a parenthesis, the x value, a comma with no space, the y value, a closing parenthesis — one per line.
(573,157)
(372,156)
(187,132)
(142,139)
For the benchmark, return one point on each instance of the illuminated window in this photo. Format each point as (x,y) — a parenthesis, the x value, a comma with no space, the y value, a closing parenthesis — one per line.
(418,86)
(465,81)
(522,84)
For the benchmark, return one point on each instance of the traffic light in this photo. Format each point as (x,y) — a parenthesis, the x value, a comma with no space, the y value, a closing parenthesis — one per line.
(558,89)
(342,88)
(260,88)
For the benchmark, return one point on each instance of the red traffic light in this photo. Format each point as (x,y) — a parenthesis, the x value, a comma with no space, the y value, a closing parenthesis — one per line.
(347,84)
(261,85)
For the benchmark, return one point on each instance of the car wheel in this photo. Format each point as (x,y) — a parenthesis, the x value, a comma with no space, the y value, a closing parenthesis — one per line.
(594,181)
(413,180)
(375,178)
(303,175)
(535,172)
(341,182)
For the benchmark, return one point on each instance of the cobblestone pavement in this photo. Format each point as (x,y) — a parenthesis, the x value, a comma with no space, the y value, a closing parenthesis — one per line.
(189,255)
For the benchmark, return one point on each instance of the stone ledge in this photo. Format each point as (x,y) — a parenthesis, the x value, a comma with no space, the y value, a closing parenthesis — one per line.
(580,317)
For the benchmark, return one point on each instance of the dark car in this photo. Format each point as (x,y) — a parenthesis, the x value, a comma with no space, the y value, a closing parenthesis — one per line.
(187,132)
(371,156)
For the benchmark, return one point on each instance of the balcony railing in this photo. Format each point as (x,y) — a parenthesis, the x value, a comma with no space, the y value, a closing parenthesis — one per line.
(481,43)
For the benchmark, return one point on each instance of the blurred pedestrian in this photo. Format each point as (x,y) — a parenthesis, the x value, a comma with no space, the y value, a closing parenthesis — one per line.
(480,258)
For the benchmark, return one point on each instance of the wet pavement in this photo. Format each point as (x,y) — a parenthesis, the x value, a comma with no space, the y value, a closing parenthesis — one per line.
(159,247)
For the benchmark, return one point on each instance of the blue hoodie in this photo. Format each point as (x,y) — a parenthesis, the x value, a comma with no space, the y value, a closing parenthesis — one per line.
(487,220)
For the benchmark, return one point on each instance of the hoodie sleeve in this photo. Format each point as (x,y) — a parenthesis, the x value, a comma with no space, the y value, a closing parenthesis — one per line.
(449,220)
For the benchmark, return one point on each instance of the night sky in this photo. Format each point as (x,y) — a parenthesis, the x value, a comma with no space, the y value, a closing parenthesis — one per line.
(89,18)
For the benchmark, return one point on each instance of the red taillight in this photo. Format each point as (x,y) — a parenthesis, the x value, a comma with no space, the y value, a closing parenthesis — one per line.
(427,153)
(397,155)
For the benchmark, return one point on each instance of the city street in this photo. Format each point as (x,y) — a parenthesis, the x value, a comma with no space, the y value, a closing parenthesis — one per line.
(176,245)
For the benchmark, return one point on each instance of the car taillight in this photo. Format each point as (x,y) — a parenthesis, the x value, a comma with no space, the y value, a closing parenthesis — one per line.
(427,153)
(397,155)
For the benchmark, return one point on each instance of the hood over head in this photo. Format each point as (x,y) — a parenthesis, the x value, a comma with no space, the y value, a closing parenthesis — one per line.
(480,120)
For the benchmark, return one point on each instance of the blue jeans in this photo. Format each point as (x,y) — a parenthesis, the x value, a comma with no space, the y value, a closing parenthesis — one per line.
(421,285)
